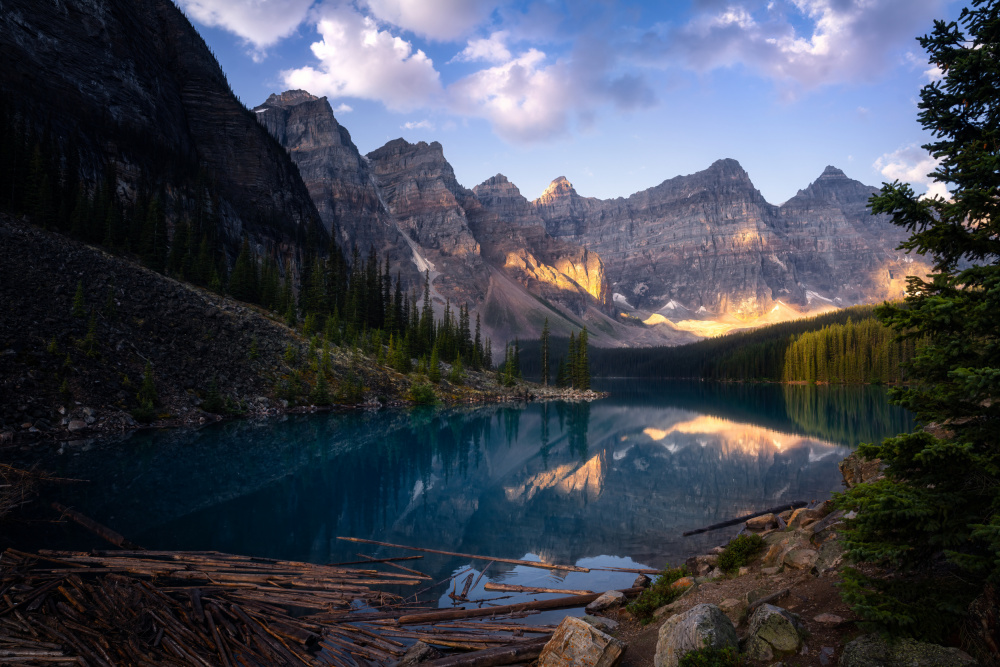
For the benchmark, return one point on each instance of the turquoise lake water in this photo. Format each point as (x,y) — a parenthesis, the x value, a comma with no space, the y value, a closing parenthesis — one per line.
(610,483)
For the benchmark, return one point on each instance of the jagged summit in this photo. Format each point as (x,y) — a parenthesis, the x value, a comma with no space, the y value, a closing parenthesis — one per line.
(832,171)
(289,98)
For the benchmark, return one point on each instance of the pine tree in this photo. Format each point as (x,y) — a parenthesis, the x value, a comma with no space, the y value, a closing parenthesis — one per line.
(434,369)
(79,301)
(571,364)
(243,283)
(545,353)
(933,520)
(582,363)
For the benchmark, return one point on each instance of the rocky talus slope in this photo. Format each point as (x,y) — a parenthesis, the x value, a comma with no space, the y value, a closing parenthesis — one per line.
(68,375)
(339,178)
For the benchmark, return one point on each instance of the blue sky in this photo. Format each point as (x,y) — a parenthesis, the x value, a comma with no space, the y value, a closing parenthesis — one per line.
(616,96)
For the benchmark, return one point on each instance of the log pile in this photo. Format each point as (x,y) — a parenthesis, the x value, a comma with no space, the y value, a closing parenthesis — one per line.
(210,608)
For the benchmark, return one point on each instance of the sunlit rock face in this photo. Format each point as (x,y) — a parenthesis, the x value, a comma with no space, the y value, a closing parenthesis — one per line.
(514,238)
(337,176)
(711,240)
(837,248)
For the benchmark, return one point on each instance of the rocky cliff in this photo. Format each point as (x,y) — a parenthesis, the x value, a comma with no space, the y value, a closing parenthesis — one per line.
(710,240)
(130,90)
(337,176)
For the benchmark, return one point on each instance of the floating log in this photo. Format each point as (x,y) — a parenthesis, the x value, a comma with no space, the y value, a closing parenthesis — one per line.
(511,588)
(537,605)
(493,657)
(515,561)
(400,567)
(97,528)
(374,560)
(732,522)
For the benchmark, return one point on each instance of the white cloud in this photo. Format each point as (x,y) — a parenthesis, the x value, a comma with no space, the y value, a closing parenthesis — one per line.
(911,164)
(843,41)
(443,20)
(418,125)
(523,99)
(260,22)
(492,50)
(356,59)
(344,108)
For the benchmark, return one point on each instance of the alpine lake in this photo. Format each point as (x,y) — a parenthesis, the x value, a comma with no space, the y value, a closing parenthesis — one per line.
(608,484)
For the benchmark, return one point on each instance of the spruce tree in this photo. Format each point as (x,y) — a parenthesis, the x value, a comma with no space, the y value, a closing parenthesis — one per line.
(933,521)
(582,373)
(545,353)
(434,370)
(79,301)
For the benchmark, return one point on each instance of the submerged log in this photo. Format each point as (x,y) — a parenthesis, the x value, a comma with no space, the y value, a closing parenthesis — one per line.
(511,588)
(97,528)
(732,522)
(537,605)
(515,561)
(493,657)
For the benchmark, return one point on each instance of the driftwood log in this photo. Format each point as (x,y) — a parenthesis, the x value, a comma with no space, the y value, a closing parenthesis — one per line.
(732,522)
(514,561)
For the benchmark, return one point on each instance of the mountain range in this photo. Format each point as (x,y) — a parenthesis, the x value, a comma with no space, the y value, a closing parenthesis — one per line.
(695,255)
(129,95)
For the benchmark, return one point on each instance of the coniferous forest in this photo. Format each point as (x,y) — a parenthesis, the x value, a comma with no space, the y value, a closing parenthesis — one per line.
(329,297)
(846,346)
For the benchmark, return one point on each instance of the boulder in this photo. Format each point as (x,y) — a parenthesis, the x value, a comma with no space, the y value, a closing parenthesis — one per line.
(856,470)
(704,625)
(608,600)
(419,652)
(801,559)
(773,631)
(804,516)
(828,619)
(576,642)
(761,523)
(830,556)
(873,651)
(642,581)
(77,425)
(601,623)
(682,584)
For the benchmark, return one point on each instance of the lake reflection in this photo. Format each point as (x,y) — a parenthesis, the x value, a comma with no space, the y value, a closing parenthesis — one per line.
(614,482)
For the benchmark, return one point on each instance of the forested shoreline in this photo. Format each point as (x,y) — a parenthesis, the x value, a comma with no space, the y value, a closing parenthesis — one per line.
(848,346)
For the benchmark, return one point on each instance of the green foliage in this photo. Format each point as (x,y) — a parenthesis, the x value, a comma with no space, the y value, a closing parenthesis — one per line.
(321,392)
(853,353)
(712,657)
(147,390)
(213,401)
(79,301)
(658,594)
(457,375)
(254,349)
(64,388)
(934,517)
(144,413)
(422,394)
(740,551)
(351,390)
(53,347)
(434,367)
(544,343)
(291,355)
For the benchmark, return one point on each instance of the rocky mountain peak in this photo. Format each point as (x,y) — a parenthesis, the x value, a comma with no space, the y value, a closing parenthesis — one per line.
(289,98)
(559,187)
(832,172)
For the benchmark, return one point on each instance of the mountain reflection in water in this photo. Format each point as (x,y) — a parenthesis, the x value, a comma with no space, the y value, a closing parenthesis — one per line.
(618,480)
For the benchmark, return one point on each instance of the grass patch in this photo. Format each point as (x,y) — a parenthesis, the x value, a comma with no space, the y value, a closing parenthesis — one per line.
(658,594)
(740,552)
(712,657)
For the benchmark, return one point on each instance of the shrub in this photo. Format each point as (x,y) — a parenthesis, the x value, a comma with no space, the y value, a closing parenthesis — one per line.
(213,401)
(147,391)
(712,657)
(740,552)
(145,413)
(658,594)
(422,394)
